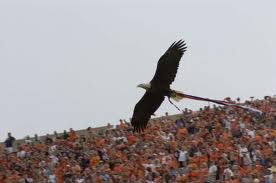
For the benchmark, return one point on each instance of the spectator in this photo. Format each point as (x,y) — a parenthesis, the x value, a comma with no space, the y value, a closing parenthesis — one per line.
(72,135)
(9,143)
(65,134)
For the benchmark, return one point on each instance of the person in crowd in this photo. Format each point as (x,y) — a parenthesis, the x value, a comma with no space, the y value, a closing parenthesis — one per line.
(9,142)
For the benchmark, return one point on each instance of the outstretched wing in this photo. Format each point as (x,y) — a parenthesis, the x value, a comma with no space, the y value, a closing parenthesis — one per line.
(168,65)
(143,110)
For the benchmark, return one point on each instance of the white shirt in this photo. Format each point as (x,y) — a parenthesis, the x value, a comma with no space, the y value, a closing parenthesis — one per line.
(251,133)
(21,154)
(52,178)
(54,159)
(228,172)
(182,156)
(243,150)
(80,180)
(213,169)
(242,125)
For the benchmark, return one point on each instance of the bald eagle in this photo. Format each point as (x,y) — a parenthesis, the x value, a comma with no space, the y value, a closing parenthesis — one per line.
(159,86)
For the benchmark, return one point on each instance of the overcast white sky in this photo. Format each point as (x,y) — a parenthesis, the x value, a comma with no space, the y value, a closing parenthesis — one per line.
(77,63)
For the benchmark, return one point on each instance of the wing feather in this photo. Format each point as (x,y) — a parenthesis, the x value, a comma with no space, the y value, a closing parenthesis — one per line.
(143,110)
(168,64)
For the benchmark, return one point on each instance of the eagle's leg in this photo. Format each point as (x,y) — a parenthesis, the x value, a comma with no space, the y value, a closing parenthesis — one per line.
(173,104)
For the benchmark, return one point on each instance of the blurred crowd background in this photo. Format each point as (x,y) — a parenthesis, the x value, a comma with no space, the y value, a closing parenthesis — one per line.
(213,144)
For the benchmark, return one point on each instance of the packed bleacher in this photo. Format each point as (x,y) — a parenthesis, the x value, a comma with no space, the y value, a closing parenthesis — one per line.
(214,144)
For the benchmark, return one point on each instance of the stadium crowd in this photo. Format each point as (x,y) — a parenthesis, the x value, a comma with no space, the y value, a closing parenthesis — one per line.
(214,144)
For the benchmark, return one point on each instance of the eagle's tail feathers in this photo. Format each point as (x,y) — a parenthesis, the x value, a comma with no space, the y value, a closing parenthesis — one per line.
(177,95)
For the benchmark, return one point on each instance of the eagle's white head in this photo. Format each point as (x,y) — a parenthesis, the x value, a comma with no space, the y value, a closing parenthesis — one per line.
(145,86)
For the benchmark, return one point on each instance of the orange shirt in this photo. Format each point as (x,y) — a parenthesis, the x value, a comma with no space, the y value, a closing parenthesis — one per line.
(72,136)
(193,175)
(157,127)
(273,133)
(100,142)
(39,146)
(203,159)
(117,169)
(258,168)
(182,132)
(213,156)
(59,174)
(122,125)
(94,161)
(131,139)
(98,179)
(172,163)
(220,146)
(203,173)
(173,145)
